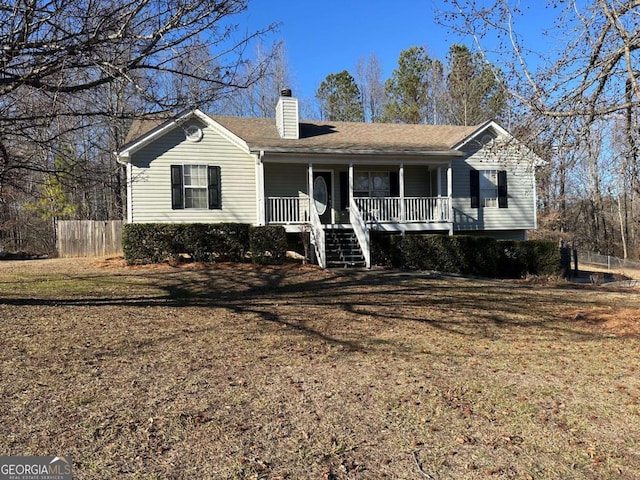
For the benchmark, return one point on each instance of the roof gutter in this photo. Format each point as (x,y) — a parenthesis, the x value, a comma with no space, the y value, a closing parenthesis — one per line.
(352,152)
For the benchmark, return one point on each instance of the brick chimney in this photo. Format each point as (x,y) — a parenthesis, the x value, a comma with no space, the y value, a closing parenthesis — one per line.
(287,115)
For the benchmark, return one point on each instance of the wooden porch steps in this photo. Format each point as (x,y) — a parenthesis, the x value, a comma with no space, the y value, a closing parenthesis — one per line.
(343,249)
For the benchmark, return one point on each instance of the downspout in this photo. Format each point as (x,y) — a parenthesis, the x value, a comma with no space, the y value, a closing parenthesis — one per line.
(129,194)
(260,200)
(126,161)
(535,199)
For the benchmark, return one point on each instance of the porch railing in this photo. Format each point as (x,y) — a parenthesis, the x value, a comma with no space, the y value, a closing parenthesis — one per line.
(429,209)
(404,210)
(288,210)
(296,210)
(379,209)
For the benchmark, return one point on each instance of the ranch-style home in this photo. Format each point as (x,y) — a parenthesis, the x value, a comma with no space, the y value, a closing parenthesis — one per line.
(336,180)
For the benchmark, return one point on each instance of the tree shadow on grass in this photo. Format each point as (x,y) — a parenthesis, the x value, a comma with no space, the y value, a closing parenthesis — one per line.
(285,296)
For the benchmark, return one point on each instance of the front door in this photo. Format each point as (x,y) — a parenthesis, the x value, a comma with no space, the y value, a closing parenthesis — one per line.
(322,196)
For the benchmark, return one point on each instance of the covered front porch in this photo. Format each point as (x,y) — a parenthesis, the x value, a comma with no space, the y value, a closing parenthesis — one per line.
(360,197)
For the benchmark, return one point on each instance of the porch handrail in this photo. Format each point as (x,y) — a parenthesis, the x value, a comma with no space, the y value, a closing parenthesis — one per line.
(317,235)
(361,231)
(288,210)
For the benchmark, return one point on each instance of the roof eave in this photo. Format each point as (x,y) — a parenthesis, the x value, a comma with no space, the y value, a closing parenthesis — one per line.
(356,152)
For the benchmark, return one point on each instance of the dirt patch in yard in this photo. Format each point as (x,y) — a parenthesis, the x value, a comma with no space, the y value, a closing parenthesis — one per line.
(235,372)
(620,321)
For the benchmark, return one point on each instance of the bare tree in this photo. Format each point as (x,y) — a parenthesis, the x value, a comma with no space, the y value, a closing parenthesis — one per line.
(587,78)
(58,54)
(582,97)
(260,97)
(369,78)
(73,74)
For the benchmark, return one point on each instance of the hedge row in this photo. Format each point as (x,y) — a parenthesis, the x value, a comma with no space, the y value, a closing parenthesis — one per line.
(237,242)
(464,254)
(203,242)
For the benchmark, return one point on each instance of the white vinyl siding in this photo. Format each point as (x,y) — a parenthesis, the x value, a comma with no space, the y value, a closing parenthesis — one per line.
(286,180)
(287,117)
(520,213)
(421,181)
(151,179)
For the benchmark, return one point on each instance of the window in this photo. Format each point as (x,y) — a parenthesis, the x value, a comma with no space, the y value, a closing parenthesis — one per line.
(375,184)
(195,186)
(488,188)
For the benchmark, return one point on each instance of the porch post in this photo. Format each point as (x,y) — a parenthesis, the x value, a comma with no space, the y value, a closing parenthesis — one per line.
(310,186)
(450,195)
(403,213)
(310,194)
(350,184)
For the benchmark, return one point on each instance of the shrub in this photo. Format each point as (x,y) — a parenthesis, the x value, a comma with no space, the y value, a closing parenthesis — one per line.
(466,254)
(513,259)
(211,242)
(160,242)
(544,257)
(428,252)
(385,249)
(453,254)
(535,257)
(480,255)
(268,245)
(150,242)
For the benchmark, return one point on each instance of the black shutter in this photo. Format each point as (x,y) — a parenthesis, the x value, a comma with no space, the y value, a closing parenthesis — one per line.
(502,189)
(394,184)
(474,188)
(177,188)
(215,196)
(344,190)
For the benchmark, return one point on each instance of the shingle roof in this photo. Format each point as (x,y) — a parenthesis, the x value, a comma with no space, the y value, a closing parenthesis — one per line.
(262,134)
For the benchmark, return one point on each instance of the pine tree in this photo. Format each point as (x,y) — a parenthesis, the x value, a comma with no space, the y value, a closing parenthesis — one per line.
(475,94)
(340,98)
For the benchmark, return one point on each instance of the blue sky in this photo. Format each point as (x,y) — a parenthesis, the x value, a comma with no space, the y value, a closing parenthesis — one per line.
(329,36)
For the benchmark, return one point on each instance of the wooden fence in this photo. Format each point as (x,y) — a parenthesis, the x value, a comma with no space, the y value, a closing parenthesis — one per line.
(89,238)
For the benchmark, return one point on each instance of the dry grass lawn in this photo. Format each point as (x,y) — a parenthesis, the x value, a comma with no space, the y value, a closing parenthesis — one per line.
(235,371)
